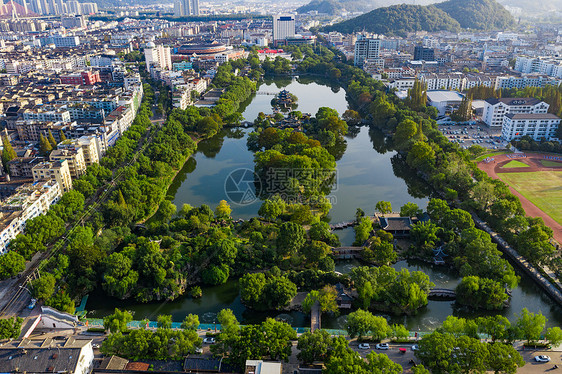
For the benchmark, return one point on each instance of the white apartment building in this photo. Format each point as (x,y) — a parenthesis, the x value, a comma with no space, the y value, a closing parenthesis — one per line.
(48,115)
(453,81)
(533,80)
(541,65)
(366,49)
(496,109)
(283,27)
(535,125)
(30,201)
(57,171)
(157,57)
(404,83)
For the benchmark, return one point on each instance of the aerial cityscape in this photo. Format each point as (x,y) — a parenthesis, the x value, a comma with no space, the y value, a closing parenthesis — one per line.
(325,186)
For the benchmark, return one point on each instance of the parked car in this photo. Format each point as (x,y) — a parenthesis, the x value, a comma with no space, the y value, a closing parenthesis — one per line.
(209,340)
(383,346)
(415,347)
(199,350)
(32,304)
(542,358)
(364,346)
(95,346)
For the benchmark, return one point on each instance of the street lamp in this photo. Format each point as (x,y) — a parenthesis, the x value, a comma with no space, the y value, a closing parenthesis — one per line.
(25,288)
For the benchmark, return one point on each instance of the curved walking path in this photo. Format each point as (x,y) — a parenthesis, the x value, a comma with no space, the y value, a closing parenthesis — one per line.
(494,170)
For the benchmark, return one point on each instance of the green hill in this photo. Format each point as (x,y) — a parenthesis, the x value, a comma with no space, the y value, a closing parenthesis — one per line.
(399,20)
(478,14)
(336,7)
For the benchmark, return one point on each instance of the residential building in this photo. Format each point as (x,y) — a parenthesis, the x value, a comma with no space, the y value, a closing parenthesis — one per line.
(47,355)
(536,125)
(22,167)
(533,80)
(29,201)
(366,49)
(283,27)
(424,54)
(157,57)
(75,158)
(61,41)
(57,171)
(496,109)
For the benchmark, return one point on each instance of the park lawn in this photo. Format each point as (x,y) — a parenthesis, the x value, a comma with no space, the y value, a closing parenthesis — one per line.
(542,188)
(551,164)
(515,164)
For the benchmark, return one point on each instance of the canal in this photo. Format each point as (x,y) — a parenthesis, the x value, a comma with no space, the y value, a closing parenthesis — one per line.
(366,172)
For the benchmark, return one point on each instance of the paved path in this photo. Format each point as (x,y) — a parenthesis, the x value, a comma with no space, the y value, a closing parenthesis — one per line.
(552,290)
(494,170)
(315,317)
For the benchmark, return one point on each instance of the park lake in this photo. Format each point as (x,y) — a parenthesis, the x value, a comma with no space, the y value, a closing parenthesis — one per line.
(366,173)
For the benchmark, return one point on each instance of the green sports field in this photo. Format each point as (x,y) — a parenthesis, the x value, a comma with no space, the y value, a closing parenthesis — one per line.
(542,188)
(515,164)
(551,164)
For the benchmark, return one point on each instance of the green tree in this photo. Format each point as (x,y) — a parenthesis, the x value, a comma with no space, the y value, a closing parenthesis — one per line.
(44,146)
(11,263)
(290,239)
(410,210)
(497,327)
(503,358)
(554,335)
(326,298)
(223,210)
(383,207)
(363,231)
(8,152)
(229,323)
(166,210)
(62,136)
(164,321)
(530,325)
(44,287)
(10,328)
(190,322)
(117,322)
(51,139)
(314,346)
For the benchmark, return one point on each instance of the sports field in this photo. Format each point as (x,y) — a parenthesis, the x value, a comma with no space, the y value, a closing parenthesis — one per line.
(515,164)
(542,188)
(551,164)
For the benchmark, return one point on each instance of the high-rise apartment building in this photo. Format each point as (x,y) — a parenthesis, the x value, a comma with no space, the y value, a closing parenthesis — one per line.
(157,57)
(366,49)
(186,8)
(283,28)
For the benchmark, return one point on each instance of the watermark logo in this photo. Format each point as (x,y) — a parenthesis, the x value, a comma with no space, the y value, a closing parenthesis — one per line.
(242,186)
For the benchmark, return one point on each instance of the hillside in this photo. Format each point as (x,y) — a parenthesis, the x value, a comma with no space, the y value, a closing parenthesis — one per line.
(399,20)
(478,14)
(336,7)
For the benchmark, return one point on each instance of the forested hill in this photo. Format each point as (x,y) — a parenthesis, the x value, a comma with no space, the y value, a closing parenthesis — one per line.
(336,7)
(399,20)
(478,14)
(447,16)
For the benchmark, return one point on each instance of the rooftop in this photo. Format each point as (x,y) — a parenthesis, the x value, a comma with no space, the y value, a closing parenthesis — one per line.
(440,96)
(514,101)
(519,116)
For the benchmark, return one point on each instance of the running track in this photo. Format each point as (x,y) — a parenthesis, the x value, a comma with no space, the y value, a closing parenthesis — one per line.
(533,160)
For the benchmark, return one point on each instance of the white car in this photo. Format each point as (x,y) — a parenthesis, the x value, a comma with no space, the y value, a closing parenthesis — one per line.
(209,340)
(383,346)
(542,358)
(364,346)
(415,347)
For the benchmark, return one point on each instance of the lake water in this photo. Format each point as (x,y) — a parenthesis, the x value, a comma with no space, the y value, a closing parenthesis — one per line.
(367,173)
